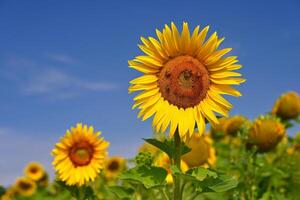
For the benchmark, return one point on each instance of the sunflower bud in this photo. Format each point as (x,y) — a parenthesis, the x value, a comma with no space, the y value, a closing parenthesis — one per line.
(265,133)
(235,124)
(287,106)
(144,159)
(202,152)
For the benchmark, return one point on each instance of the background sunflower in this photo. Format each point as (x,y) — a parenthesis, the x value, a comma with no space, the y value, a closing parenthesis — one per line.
(80,155)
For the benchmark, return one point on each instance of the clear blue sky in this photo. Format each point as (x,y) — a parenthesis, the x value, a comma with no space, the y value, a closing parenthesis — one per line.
(63,62)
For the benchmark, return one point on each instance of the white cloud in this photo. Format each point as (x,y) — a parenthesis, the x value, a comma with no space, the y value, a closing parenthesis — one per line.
(62,58)
(39,79)
(61,85)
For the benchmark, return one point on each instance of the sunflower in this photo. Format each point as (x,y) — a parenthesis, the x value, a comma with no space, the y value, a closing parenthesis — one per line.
(163,160)
(202,152)
(9,194)
(80,155)
(235,124)
(113,167)
(287,106)
(183,78)
(218,131)
(266,133)
(25,186)
(34,171)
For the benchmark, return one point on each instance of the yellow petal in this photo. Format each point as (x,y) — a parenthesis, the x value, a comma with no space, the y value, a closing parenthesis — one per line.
(144,79)
(225,89)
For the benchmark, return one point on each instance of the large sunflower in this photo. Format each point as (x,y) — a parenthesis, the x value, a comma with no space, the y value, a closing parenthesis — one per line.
(80,155)
(184,77)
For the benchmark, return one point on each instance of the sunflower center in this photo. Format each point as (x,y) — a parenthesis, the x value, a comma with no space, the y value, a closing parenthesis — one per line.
(34,170)
(113,166)
(81,154)
(24,185)
(183,81)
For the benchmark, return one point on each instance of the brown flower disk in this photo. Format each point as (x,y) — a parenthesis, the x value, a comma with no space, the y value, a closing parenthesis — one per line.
(183,81)
(81,154)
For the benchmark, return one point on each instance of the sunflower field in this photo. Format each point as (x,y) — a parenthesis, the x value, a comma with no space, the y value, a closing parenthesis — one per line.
(197,150)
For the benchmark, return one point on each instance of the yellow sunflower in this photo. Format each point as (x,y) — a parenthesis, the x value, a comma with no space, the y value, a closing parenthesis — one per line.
(25,186)
(266,133)
(163,160)
(218,131)
(34,171)
(202,152)
(114,166)
(80,155)
(287,106)
(234,124)
(184,77)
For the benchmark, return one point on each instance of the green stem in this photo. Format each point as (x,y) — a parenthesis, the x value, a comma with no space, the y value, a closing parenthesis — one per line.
(176,161)
(81,193)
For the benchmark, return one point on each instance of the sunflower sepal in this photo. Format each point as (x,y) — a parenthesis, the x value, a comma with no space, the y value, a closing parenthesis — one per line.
(149,177)
(168,146)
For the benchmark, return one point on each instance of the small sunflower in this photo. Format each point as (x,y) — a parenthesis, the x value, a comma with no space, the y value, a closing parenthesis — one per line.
(234,124)
(287,106)
(266,133)
(113,167)
(34,171)
(80,155)
(218,131)
(202,152)
(163,160)
(25,186)
(183,78)
(9,194)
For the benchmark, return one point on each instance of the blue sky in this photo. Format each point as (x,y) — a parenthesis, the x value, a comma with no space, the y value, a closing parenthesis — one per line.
(63,62)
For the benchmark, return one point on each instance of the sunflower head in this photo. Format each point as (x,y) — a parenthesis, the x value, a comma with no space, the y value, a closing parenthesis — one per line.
(202,152)
(235,124)
(25,186)
(44,181)
(163,160)
(114,166)
(183,78)
(34,171)
(287,106)
(9,193)
(80,155)
(266,133)
(218,131)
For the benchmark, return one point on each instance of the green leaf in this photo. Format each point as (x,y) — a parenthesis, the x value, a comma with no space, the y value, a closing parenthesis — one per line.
(168,146)
(200,173)
(147,176)
(207,180)
(222,183)
(122,192)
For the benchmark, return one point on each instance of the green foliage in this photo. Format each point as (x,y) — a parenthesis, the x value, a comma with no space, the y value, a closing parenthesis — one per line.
(144,159)
(122,192)
(168,146)
(147,176)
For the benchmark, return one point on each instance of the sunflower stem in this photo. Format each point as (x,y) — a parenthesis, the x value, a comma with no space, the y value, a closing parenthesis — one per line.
(176,161)
(81,193)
